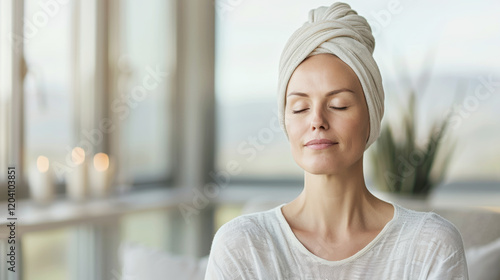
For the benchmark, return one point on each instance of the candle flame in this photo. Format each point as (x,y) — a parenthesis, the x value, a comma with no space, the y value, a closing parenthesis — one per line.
(42,163)
(101,162)
(77,155)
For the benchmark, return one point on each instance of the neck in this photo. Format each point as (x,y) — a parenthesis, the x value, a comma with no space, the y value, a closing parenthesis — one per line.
(336,205)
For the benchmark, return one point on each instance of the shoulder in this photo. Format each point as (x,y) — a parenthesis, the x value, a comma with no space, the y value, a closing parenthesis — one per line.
(244,229)
(237,243)
(431,231)
(440,233)
(440,228)
(247,223)
(436,248)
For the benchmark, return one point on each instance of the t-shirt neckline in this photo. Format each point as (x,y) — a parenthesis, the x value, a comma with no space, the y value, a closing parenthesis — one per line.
(291,236)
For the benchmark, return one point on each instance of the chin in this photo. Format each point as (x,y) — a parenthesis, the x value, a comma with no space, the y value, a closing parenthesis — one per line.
(321,172)
(322,168)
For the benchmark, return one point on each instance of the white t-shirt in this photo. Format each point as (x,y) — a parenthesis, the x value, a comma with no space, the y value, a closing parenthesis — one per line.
(413,245)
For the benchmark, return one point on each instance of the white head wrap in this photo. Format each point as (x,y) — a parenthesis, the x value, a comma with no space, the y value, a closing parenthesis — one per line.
(337,30)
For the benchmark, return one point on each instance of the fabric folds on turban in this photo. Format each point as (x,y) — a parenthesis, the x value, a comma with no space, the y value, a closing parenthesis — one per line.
(337,30)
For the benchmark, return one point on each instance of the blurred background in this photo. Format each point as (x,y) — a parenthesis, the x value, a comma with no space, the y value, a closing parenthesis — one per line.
(154,122)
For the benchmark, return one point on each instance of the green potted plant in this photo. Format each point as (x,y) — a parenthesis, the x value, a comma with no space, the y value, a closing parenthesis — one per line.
(401,165)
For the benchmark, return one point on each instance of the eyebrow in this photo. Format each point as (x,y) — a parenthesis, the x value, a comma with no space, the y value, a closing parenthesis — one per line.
(326,95)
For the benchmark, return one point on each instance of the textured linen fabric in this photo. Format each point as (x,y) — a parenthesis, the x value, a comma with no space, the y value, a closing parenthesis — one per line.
(340,31)
(413,245)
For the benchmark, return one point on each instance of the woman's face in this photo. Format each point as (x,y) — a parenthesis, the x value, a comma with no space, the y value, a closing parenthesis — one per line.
(325,100)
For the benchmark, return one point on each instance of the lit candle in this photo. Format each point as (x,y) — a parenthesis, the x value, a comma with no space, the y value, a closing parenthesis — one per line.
(102,174)
(41,181)
(76,178)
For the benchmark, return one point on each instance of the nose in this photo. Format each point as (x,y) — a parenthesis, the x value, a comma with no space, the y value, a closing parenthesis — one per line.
(319,119)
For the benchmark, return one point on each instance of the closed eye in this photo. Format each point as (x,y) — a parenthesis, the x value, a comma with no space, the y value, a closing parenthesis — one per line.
(336,108)
(299,111)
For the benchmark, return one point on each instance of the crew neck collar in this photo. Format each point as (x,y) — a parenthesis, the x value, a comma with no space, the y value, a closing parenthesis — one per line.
(295,241)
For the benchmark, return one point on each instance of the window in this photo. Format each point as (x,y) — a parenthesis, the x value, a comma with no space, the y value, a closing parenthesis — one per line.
(5,77)
(46,255)
(48,95)
(10,92)
(250,38)
(157,223)
(81,57)
(63,95)
(145,64)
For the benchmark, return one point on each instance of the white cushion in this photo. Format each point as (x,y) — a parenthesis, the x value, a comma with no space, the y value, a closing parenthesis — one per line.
(139,262)
(484,261)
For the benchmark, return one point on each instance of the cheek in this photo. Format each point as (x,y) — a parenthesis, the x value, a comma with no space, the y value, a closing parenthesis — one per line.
(295,130)
(292,125)
(356,125)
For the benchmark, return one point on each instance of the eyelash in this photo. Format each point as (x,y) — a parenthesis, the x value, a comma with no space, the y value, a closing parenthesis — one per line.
(338,108)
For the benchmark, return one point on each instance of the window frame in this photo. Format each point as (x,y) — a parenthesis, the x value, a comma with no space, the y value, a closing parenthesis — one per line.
(11,91)
(193,80)
(105,32)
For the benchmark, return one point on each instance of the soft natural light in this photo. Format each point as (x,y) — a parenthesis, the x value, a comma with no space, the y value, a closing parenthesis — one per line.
(78,155)
(101,162)
(42,164)
(444,53)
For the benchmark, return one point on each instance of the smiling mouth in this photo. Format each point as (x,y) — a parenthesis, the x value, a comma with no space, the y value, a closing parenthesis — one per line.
(321,146)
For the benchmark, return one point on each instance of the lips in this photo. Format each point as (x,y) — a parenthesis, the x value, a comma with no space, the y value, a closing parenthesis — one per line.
(320,141)
(318,144)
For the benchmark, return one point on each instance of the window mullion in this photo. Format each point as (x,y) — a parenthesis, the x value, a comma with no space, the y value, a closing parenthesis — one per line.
(195,88)
(12,72)
(91,65)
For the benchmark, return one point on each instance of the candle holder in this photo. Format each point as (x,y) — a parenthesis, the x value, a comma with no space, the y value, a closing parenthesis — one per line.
(101,175)
(41,181)
(76,178)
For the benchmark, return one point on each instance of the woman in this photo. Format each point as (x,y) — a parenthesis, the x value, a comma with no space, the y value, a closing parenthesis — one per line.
(331,103)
